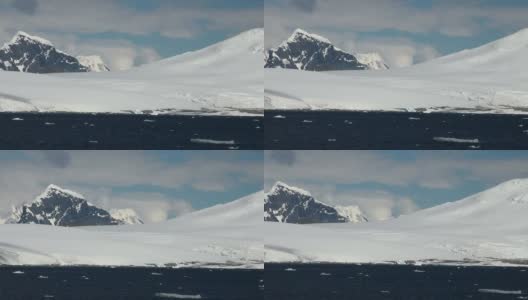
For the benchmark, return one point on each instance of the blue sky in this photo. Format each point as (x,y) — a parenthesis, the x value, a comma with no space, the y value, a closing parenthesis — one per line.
(130,32)
(389,183)
(403,31)
(158,184)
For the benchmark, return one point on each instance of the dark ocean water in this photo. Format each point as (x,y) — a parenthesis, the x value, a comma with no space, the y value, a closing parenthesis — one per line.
(402,282)
(339,130)
(95,283)
(282,282)
(129,132)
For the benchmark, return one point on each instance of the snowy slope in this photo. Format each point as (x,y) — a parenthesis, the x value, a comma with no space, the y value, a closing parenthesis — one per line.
(94,63)
(126,216)
(491,78)
(372,60)
(507,54)
(220,236)
(487,228)
(225,78)
(245,211)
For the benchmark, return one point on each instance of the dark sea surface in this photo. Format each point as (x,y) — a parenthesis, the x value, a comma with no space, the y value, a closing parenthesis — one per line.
(282,281)
(402,282)
(343,130)
(128,131)
(96,283)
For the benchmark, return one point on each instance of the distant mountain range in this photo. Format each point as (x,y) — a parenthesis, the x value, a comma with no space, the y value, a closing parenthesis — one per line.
(311,52)
(33,54)
(287,204)
(61,207)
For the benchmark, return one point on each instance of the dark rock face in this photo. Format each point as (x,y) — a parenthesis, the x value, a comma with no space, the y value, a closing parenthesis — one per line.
(61,207)
(31,54)
(305,51)
(291,205)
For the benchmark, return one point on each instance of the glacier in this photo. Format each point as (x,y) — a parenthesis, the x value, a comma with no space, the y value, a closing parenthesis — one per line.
(488,228)
(220,236)
(488,79)
(223,79)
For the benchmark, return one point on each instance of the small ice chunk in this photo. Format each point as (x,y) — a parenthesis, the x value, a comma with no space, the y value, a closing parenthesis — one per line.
(496,291)
(209,141)
(456,140)
(177,296)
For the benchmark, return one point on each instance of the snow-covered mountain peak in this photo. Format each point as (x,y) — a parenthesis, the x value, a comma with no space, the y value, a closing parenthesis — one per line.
(518,39)
(287,204)
(507,54)
(516,191)
(281,187)
(94,63)
(32,54)
(254,39)
(353,213)
(21,37)
(310,52)
(240,54)
(61,207)
(126,216)
(245,211)
(508,200)
(300,34)
(373,60)
(53,190)
(510,185)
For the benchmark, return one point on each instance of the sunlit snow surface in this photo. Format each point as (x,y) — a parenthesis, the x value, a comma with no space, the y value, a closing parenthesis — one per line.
(220,236)
(225,78)
(491,79)
(488,228)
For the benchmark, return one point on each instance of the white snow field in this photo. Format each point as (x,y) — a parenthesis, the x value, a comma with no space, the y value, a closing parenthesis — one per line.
(488,228)
(225,78)
(221,236)
(492,78)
